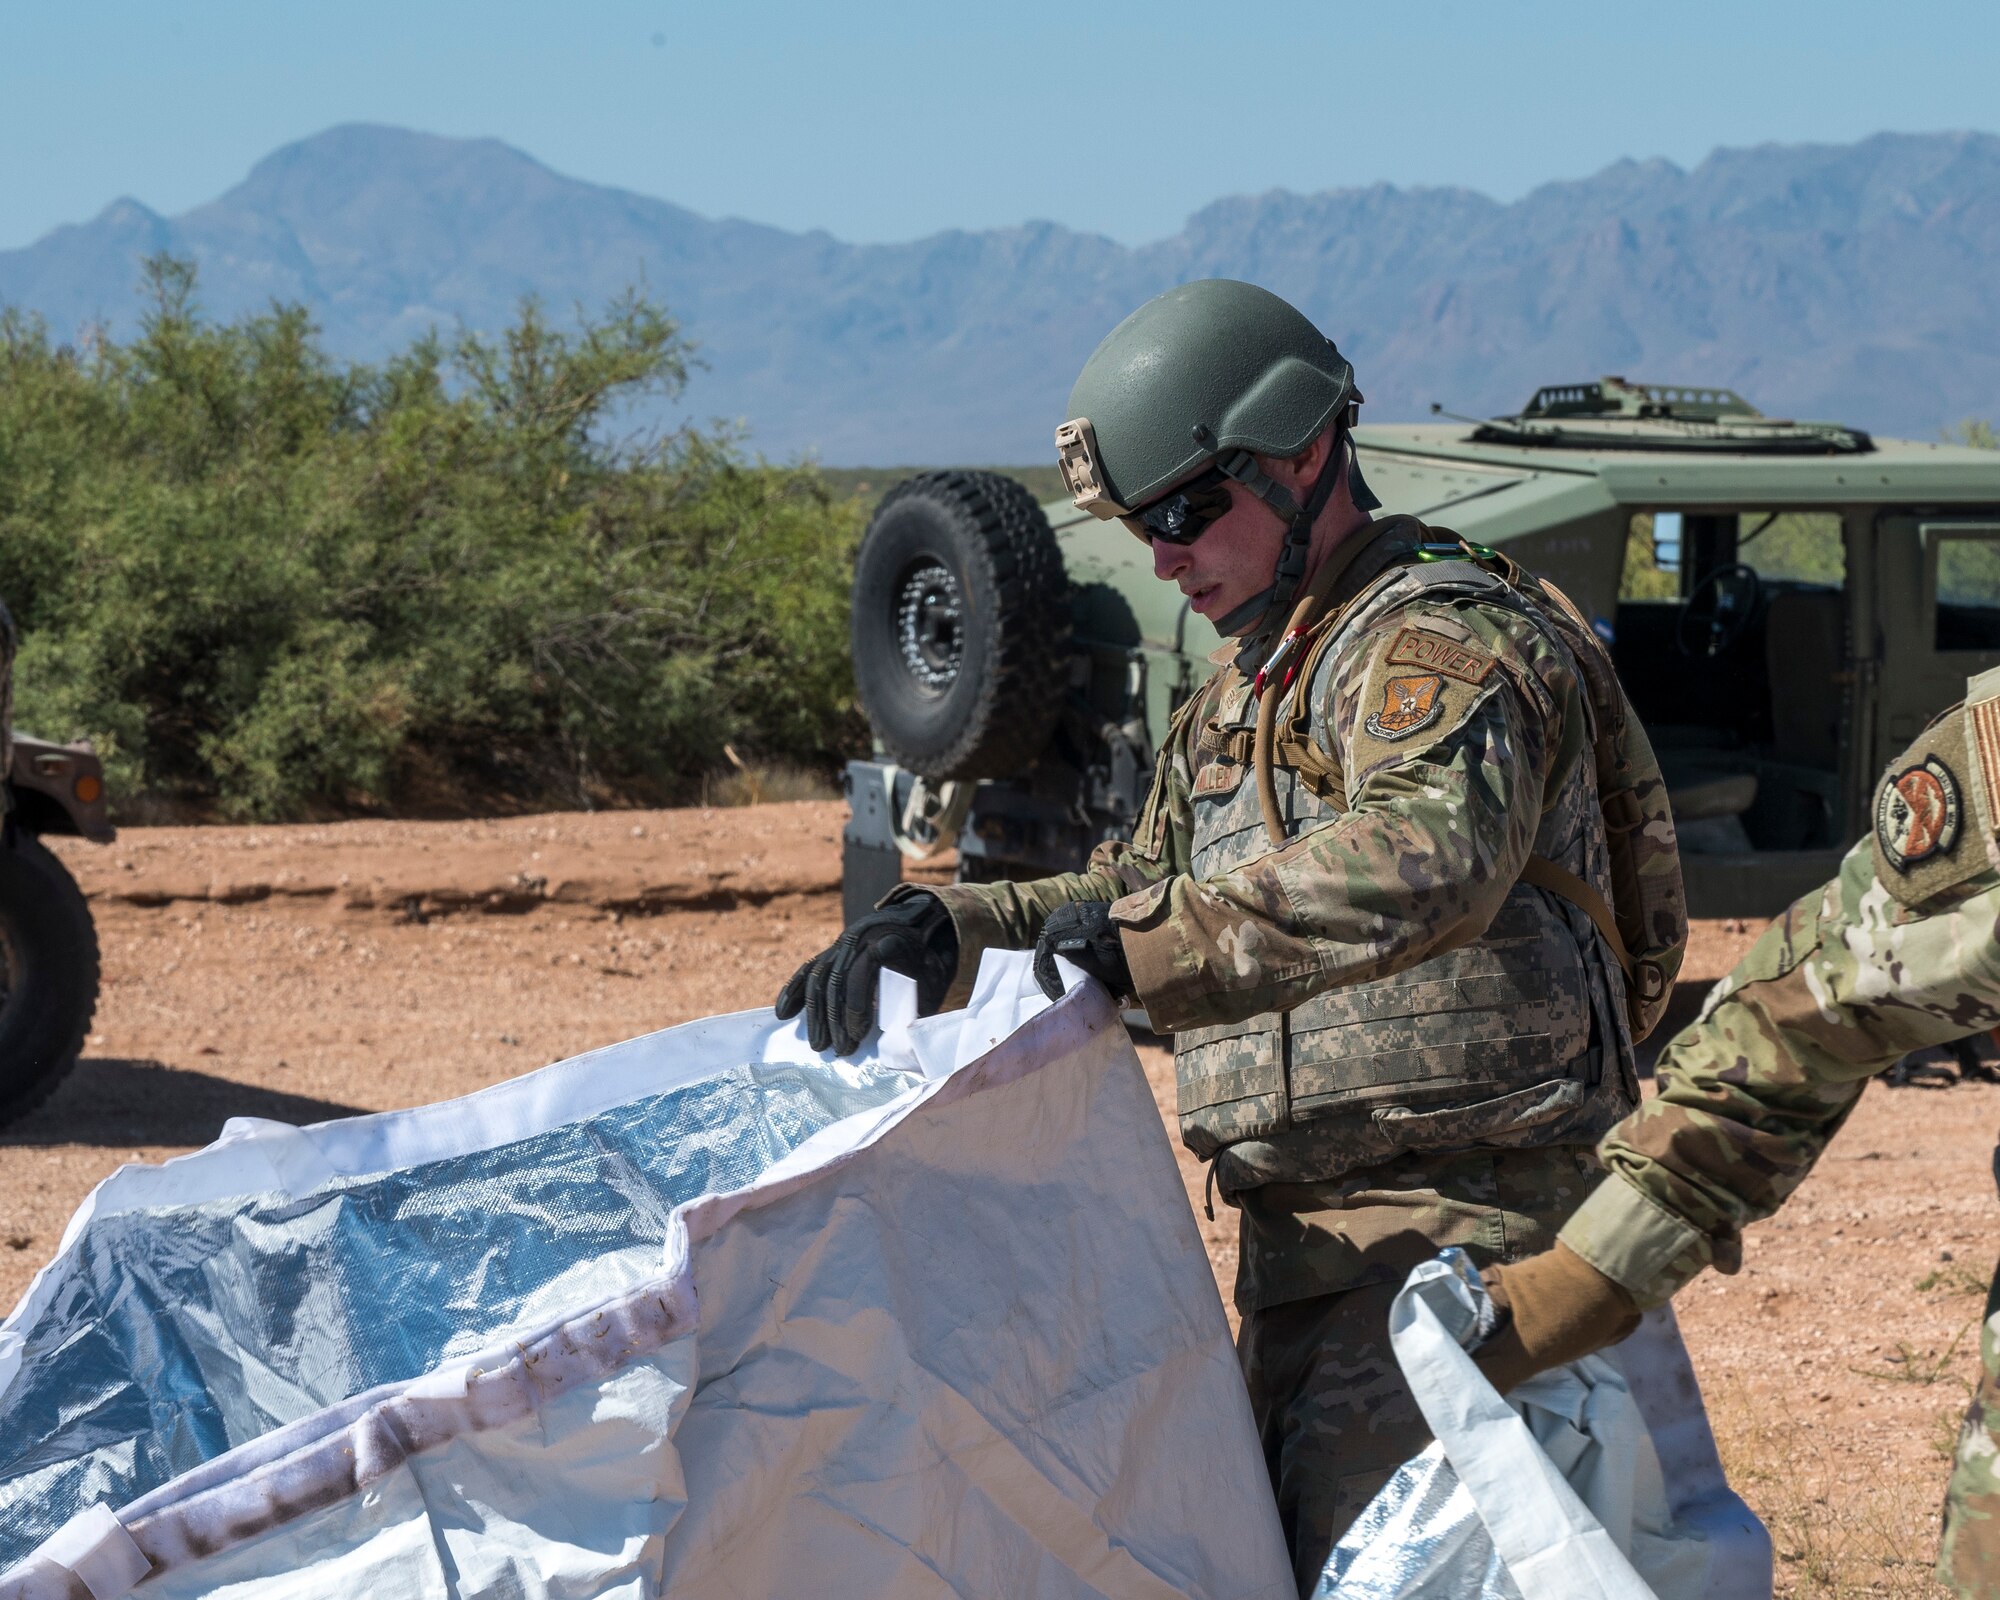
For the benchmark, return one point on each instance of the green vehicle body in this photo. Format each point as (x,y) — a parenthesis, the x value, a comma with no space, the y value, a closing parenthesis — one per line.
(1772,747)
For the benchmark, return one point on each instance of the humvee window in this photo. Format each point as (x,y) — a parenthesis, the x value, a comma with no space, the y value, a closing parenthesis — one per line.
(1652,568)
(1730,635)
(1781,546)
(1966,614)
(1794,547)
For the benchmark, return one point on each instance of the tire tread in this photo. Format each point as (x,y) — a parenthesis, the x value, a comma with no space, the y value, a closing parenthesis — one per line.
(1009,722)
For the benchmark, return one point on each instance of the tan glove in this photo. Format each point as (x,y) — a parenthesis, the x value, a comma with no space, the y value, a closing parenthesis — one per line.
(1554,1308)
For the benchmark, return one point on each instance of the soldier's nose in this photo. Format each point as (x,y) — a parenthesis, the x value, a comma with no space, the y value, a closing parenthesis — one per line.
(1170,560)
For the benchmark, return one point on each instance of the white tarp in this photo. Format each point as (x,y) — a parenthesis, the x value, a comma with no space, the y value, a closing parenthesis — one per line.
(955,1335)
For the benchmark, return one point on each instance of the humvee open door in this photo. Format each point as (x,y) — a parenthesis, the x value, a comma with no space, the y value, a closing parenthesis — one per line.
(1788,604)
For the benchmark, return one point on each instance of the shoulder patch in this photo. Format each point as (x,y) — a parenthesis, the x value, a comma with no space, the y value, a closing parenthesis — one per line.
(1382,712)
(1417,647)
(1409,705)
(1923,846)
(1918,813)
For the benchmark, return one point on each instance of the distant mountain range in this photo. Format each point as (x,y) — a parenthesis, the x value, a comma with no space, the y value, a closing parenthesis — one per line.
(1856,282)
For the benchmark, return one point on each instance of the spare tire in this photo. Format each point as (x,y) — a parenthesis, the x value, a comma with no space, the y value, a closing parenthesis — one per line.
(960,625)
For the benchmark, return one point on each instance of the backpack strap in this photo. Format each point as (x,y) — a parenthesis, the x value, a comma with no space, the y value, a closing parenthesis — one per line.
(1646,979)
(1566,885)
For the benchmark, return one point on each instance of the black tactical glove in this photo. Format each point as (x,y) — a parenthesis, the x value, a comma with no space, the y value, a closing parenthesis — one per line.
(836,989)
(1083,935)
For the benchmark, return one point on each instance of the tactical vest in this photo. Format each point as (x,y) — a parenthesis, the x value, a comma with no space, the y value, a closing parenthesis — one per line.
(1517,1039)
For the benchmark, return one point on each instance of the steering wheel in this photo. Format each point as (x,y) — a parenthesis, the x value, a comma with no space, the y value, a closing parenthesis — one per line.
(1713,621)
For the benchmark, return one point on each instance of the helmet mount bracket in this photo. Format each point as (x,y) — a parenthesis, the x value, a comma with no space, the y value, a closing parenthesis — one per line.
(1077,459)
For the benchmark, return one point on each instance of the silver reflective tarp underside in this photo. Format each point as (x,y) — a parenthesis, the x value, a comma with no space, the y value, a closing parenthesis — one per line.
(175,1333)
(1420,1538)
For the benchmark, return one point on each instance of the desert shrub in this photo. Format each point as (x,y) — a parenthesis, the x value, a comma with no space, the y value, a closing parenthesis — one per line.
(269,583)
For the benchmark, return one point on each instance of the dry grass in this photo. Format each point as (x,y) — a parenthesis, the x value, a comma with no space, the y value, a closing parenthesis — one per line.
(756,783)
(1838,1534)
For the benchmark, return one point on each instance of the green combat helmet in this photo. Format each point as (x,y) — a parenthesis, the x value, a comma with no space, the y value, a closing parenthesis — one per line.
(1194,385)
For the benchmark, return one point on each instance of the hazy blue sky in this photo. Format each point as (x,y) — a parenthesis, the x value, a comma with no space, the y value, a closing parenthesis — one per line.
(889,121)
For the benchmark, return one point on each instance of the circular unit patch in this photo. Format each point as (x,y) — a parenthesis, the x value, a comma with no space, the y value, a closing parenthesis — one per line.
(1917,814)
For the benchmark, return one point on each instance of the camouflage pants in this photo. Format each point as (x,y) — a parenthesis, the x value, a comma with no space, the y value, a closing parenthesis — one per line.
(1334,1414)
(1969,1558)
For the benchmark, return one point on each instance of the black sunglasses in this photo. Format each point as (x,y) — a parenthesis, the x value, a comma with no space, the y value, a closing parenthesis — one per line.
(1184,515)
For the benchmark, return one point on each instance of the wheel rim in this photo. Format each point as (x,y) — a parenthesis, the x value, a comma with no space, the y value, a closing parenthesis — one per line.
(930,624)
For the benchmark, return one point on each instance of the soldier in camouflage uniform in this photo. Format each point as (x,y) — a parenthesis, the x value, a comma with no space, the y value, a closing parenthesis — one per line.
(1385,1040)
(1899,951)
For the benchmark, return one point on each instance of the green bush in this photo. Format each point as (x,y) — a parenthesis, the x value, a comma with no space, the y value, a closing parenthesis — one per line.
(271,584)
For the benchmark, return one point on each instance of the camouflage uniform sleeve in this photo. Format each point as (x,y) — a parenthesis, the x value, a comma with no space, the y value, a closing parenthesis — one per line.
(1896,953)
(1009,916)
(1447,755)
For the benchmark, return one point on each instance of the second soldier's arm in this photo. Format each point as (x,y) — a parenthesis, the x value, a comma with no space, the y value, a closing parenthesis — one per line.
(1837,990)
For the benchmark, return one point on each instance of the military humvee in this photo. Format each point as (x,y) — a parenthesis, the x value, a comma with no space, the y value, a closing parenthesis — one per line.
(1788,603)
(48,944)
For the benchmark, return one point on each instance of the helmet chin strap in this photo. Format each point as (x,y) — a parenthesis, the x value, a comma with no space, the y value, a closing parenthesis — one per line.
(1290,570)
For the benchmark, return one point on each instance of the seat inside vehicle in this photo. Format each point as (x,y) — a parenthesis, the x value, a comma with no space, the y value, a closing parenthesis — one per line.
(1699,796)
(1738,678)
(1709,807)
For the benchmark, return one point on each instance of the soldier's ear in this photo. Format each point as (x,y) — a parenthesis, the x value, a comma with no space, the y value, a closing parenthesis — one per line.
(1300,472)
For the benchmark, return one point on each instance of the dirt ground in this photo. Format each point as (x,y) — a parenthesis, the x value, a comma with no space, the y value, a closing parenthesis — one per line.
(311,972)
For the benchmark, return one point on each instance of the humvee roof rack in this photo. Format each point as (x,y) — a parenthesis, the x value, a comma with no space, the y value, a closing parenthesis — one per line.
(1614,414)
(1616,397)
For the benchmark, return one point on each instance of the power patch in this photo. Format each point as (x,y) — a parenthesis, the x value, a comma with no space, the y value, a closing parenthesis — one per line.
(1414,647)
